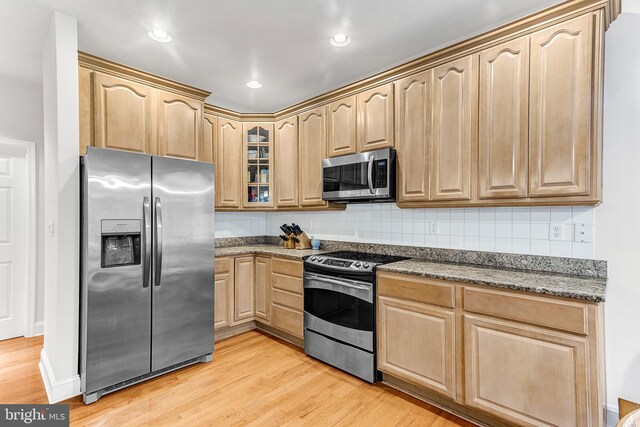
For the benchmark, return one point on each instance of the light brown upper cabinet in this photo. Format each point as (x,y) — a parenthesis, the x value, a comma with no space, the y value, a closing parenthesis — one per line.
(123,114)
(560,108)
(502,136)
(454,127)
(375,118)
(257,151)
(341,127)
(285,158)
(179,126)
(228,168)
(414,115)
(313,148)
(209,131)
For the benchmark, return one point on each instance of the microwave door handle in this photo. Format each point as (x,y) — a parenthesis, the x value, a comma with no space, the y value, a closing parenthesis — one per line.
(146,244)
(370,175)
(158,242)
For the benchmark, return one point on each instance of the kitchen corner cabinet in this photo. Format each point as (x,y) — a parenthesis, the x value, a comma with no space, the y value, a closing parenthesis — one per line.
(244,283)
(223,298)
(517,357)
(503,129)
(454,122)
(263,288)
(179,126)
(257,153)
(228,154)
(375,128)
(560,132)
(312,142)
(341,127)
(122,114)
(285,160)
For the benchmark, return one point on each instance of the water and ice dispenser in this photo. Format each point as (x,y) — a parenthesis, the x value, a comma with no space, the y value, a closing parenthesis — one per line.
(120,242)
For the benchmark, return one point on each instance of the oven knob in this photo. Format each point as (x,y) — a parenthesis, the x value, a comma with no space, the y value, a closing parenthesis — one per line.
(319,259)
(366,265)
(313,258)
(357,264)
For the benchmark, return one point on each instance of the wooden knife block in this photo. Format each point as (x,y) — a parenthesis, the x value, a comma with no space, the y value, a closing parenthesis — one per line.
(289,244)
(303,242)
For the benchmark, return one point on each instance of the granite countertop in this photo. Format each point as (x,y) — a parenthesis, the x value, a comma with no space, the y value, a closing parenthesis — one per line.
(576,287)
(265,249)
(562,285)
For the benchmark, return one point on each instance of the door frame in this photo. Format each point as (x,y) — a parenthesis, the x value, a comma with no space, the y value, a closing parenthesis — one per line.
(29,329)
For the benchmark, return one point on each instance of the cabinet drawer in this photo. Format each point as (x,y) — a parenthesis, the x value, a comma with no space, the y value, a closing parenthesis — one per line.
(222,265)
(287,283)
(564,315)
(287,267)
(287,299)
(287,320)
(413,288)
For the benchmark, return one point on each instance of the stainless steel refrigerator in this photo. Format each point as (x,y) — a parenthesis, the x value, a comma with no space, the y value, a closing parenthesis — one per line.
(146,267)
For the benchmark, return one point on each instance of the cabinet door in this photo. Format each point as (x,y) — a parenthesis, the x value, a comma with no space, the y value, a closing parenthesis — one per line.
(256,173)
(503,128)
(244,280)
(228,168)
(209,130)
(123,114)
(285,160)
(179,126)
(414,96)
(560,109)
(416,343)
(341,123)
(85,103)
(263,288)
(525,375)
(223,288)
(313,148)
(375,118)
(454,118)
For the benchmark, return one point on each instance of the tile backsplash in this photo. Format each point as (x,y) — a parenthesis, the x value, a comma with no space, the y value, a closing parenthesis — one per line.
(515,230)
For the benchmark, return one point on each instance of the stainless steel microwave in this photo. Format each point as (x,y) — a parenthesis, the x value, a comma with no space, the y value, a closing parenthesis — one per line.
(363,177)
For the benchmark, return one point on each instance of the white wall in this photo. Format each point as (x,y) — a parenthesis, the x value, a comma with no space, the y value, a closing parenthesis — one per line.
(618,236)
(59,358)
(21,118)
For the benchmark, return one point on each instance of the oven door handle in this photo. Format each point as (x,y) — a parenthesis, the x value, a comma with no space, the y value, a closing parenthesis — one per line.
(316,281)
(347,284)
(370,175)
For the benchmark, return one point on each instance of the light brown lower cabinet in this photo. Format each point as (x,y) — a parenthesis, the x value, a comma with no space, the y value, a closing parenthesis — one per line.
(507,356)
(258,288)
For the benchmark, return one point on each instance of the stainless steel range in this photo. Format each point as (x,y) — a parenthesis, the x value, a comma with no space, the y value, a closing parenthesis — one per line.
(340,310)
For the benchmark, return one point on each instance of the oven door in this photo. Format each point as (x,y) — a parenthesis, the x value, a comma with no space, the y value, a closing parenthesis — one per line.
(341,309)
(362,176)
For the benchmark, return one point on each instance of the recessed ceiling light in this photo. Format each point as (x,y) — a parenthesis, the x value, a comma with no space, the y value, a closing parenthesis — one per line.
(340,40)
(254,84)
(159,35)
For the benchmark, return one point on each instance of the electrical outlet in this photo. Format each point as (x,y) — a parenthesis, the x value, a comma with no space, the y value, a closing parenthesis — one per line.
(556,232)
(433,227)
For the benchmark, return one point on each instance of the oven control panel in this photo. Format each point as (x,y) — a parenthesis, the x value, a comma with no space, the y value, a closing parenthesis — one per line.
(340,263)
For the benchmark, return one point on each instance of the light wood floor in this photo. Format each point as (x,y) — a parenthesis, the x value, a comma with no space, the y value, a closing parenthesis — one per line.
(254,380)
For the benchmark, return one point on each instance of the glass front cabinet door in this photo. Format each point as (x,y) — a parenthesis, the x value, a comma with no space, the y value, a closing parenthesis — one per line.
(258,141)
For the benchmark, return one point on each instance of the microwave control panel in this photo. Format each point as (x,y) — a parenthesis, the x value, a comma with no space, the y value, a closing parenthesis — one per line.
(380,173)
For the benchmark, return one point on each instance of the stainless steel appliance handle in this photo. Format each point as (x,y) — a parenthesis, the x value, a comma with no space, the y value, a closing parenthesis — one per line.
(370,175)
(158,242)
(146,245)
(346,283)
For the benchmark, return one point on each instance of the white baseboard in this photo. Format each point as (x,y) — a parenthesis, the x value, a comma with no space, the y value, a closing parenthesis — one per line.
(57,391)
(612,416)
(38,328)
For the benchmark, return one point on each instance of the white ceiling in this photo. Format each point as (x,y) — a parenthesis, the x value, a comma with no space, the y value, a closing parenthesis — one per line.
(219,45)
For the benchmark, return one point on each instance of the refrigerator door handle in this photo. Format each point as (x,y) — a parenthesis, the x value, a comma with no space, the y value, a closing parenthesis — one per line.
(158,242)
(146,245)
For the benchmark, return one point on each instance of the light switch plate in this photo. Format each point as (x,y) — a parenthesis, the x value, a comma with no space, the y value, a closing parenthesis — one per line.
(583,233)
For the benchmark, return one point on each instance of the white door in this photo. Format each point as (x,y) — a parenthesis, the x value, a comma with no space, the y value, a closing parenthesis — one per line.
(13,241)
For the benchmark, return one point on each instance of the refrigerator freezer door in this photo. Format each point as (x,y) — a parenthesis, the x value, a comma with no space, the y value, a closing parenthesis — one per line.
(116,307)
(182,314)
